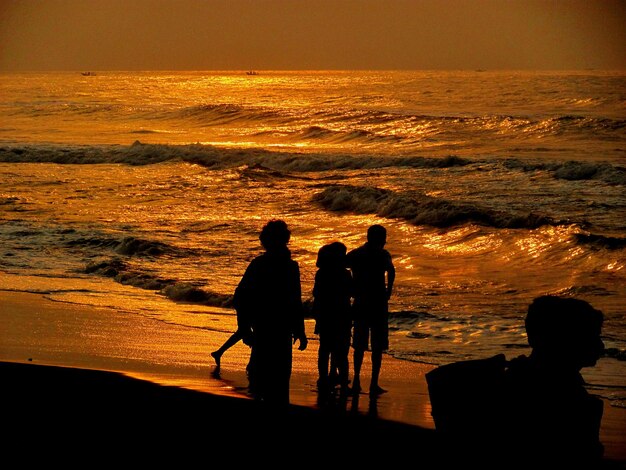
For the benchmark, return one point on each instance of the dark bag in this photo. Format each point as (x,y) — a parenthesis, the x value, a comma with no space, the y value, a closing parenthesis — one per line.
(466,397)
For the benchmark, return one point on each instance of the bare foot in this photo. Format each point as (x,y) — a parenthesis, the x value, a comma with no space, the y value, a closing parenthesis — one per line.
(217,356)
(376,390)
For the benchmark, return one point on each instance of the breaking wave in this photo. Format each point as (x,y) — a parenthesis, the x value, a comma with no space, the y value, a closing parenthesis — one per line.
(216,158)
(213,157)
(129,246)
(573,170)
(420,209)
(183,292)
(226,113)
(601,241)
(121,272)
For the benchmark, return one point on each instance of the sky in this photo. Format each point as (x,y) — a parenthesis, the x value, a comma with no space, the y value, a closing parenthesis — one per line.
(97,35)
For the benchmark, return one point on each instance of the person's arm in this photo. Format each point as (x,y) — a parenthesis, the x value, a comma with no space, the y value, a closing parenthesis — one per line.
(241,302)
(298,326)
(316,294)
(391,277)
(350,284)
(304,342)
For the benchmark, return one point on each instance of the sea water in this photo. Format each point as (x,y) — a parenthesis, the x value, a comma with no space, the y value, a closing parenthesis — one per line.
(146,192)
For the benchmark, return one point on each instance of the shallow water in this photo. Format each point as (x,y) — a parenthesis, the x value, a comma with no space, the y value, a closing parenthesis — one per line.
(495,188)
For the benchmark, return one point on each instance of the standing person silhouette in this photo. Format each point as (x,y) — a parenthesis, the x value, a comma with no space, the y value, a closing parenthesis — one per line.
(374,275)
(332,294)
(270,315)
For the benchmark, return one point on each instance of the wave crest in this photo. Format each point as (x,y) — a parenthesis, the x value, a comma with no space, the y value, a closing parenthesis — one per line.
(128,246)
(226,113)
(183,292)
(213,157)
(600,241)
(573,170)
(120,271)
(420,209)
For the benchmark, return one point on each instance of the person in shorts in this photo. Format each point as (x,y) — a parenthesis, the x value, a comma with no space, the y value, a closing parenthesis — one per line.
(374,274)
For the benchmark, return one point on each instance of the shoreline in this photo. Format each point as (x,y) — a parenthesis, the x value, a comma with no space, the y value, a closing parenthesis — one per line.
(75,342)
(40,331)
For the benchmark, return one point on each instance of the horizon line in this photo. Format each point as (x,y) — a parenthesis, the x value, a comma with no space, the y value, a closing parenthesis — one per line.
(243,70)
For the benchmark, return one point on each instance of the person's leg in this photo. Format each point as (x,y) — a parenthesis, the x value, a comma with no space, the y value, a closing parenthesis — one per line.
(358,361)
(333,371)
(342,370)
(341,351)
(335,358)
(377,359)
(253,371)
(359,343)
(229,343)
(380,343)
(322,363)
(276,376)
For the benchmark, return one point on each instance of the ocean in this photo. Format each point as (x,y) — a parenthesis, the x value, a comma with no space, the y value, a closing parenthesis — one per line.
(146,191)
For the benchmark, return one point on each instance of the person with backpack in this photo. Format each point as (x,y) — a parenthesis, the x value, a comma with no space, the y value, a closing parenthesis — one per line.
(551,416)
(532,411)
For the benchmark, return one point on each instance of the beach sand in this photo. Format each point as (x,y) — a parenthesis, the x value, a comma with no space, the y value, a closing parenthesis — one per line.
(95,378)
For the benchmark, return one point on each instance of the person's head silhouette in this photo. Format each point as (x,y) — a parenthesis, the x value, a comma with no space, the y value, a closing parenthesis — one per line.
(377,236)
(564,330)
(275,235)
(331,255)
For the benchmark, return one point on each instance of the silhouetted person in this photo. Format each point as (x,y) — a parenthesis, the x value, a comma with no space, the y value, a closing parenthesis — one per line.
(270,314)
(332,294)
(374,274)
(552,417)
(530,412)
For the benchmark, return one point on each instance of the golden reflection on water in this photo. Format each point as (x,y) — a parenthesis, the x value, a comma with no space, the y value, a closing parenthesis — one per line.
(537,242)
(533,246)
(463,241)
(406,262)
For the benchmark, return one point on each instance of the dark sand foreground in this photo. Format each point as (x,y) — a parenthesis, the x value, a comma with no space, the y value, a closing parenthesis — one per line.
(76,412)
(82,384)
(80,417)
(74,394)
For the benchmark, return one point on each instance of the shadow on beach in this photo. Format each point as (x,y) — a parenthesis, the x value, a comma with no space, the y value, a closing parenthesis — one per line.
(78,416)
(77,411)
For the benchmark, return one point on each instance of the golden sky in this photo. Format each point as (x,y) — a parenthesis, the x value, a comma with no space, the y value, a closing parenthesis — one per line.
(311,34)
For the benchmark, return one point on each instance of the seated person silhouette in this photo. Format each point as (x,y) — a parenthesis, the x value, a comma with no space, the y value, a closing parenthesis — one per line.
(533,410)
(551,416)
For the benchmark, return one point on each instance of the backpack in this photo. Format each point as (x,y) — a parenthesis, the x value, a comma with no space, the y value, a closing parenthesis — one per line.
(467,398)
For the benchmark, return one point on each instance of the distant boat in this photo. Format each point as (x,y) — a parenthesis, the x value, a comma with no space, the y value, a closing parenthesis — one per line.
(88,74)
(251,72)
